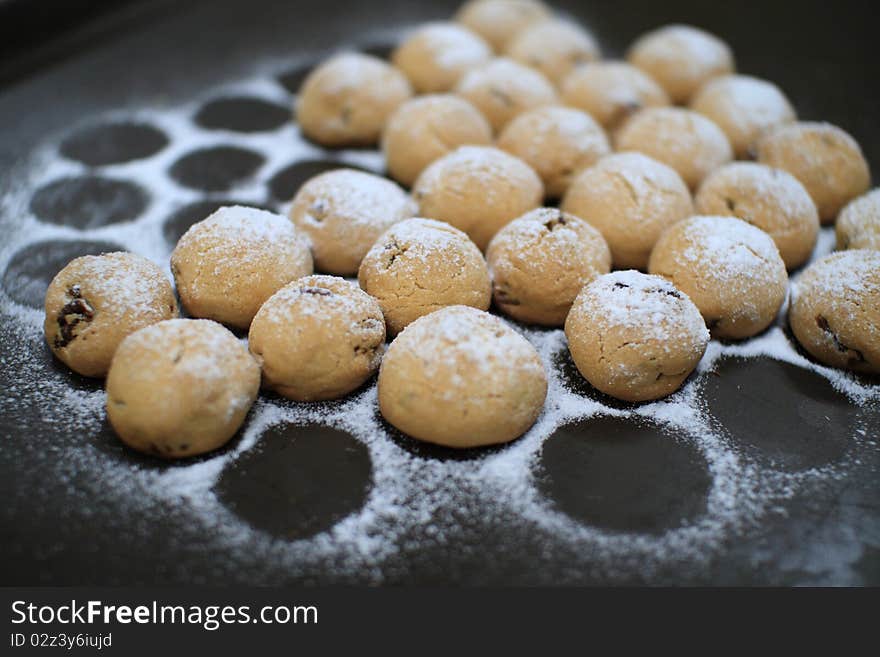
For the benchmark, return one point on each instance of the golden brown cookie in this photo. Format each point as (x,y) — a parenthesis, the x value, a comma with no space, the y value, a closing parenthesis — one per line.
(319,337)
(460,377)
(731,270)
(835,310)
(427,128)
(825,159)
(95,301)
(553,47)
(635,337)
(631,199)
(498,21)
(858,226)
(771,199)
(435,56)
(557,142)
(478,189)
(744,108)
(539,263)
(681,58)
(348,98)
(688,142)
(181,387)
(421,265)
(611,92)
(503,89)
(343,212)
(227,265)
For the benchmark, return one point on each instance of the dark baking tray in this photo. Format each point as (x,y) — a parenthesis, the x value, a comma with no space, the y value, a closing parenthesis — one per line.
(59,70)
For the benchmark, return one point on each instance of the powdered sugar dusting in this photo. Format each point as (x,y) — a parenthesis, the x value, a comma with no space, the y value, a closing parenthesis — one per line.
(410,495)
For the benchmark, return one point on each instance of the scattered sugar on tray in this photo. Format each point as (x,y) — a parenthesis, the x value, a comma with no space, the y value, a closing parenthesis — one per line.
(407,491)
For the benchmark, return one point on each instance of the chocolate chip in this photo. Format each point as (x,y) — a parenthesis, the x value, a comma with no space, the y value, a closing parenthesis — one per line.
(619,286)
(856,355)
(74,312)
(320,291)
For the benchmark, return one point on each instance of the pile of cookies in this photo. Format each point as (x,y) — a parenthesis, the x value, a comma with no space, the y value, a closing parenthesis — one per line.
(643,205)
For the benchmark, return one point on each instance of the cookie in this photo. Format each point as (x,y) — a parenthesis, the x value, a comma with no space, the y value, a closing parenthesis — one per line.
(319,337)
(743,107)
(858,226)
(460,377)
(553,47)
(344,212)
(96,301)
(348,98)
(634,336)
(681,58)
(420,265)
(478,189)
(498,21)
(557,142)
(540,261)
(731,270)
(503,89)
(835,310)
(611,92)
(686,141)
(435,56)
(227,265)
(631,199)
(179,388)
(425,129)
(771,199)
(826,160)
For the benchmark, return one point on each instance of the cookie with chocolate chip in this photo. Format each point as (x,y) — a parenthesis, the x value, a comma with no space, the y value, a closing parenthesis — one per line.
(96,301)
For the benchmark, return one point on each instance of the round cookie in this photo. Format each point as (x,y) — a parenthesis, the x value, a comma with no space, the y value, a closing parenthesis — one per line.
(227,265)
(835,310)
(681,58)
(631,199)
(858,226)
(688,142)
(427,128)
(731,271)
(181,387)
(557,142)
(478,189)
(460,377)
(344,212)
(319,337)
(827,161)
(498,21)
(96,301)
(347,100)
(436,55)
(743,107)
(503,89)
(421,265)
(768,198)
(634,336)
(611,92)
(539,263)
(553,47)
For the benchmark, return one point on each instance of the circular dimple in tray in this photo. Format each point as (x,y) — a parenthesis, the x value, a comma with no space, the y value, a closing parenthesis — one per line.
(597,490)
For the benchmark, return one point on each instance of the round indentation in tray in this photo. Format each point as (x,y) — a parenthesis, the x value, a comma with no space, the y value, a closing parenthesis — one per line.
(786,416)
(298,481)
(284,185)
(113,143)
(242,114)
(624,475)
(30,271)
(89,201)
(181,219)
(217,168)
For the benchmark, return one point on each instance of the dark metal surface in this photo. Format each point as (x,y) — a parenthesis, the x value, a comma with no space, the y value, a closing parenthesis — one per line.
(785,418)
